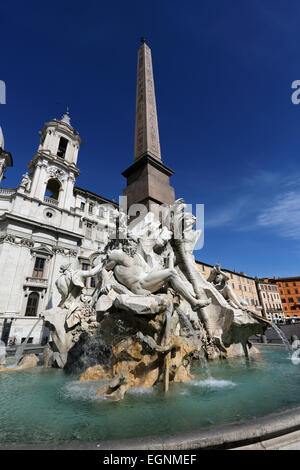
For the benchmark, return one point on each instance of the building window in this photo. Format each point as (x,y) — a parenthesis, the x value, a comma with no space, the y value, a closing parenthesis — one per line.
(32,305)
(85,267)
(38,269)
(291,299)
(93,282)
(203,268)
(82,206)
(111,216)
(91,208)
(232,285)
(88,230)
(52,189)
(62,147)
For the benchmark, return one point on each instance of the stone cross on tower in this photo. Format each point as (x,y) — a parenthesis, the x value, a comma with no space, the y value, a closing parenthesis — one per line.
(147,178)
(146,125)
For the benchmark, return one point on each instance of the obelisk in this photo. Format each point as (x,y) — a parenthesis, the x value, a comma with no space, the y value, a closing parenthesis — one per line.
(147,178)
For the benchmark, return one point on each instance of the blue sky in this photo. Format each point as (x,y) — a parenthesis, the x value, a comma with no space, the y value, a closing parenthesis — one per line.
(223,73)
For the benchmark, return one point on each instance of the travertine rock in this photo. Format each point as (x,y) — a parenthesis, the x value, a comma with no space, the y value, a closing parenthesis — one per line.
(95,373)
(134,366)
(131,360)
(27,362)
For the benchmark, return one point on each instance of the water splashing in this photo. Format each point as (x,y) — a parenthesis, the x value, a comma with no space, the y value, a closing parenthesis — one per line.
(282,336)
(188,326)
(21,347)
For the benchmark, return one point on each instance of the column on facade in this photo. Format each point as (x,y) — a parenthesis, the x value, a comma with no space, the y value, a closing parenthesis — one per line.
(67,199)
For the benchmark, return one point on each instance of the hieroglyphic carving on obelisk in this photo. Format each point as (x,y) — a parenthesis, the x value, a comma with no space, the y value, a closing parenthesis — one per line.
(146,125)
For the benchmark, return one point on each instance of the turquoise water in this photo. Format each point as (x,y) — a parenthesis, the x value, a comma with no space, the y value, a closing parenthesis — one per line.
(46,406)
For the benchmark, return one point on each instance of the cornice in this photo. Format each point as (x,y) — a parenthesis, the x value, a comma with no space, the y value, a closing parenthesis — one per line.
(30,222)
(54,160)
(148,159)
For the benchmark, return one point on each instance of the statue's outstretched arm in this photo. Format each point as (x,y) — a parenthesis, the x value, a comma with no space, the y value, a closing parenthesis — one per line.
(212,275)
(91,272)
(225,276)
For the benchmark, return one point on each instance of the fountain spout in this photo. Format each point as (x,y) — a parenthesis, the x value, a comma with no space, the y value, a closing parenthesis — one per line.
(21,347)
(282,336)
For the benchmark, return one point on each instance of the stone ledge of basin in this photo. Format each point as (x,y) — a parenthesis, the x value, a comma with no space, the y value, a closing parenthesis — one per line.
(230,436)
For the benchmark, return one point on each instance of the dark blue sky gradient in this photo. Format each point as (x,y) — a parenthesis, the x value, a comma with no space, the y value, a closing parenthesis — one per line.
(223,73)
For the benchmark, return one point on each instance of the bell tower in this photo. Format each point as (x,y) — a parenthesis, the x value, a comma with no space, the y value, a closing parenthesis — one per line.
(53,169)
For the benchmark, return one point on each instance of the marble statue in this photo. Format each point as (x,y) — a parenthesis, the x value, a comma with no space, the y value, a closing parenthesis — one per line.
(26,182)
(143,279)
(220,281)
(72,311)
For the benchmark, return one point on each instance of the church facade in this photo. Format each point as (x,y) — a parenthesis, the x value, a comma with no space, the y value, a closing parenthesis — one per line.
(46,222)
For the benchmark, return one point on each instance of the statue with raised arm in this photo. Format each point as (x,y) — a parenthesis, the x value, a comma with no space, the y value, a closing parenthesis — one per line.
(71,311)
(70,284)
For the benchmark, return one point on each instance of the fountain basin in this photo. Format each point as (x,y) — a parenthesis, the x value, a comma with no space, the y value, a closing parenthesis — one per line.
(49,409)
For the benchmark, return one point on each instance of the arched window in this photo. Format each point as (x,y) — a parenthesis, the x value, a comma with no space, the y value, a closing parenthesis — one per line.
(62,147)
(52,189)
(32,305)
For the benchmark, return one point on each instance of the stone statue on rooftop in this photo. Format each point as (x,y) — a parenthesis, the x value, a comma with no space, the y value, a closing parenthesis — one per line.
(26,182)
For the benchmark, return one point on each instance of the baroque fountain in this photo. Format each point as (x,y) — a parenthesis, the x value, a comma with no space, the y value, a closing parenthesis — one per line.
(152,311)
(154,329)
